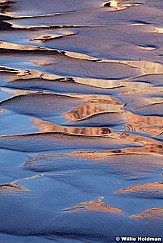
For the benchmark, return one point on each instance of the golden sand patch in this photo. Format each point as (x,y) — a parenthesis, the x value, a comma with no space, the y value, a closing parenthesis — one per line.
(149,190)
(12,186)
(154,213)
(95,206)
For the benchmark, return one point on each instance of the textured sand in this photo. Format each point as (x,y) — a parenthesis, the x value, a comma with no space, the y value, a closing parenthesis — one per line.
(81,118)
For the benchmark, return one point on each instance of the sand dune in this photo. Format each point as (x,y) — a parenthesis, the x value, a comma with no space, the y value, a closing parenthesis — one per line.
(149,190)
(11,187)
(153,213)
(96,206)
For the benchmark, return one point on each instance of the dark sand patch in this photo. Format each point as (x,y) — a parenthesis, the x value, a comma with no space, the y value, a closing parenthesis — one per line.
(133,164)
(40,104)
(128,165)
(151,110)
(12,187)
(105,120)
(62,85)
(58,141)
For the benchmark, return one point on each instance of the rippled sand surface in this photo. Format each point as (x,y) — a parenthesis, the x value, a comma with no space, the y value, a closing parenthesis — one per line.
(81,118)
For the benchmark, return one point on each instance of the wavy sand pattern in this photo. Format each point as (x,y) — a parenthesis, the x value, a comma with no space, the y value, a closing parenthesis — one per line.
(81,118)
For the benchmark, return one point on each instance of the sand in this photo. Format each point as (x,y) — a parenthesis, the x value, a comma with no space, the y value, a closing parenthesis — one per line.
(81,118)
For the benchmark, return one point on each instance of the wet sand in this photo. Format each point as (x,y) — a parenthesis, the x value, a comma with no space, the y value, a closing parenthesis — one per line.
(81,118)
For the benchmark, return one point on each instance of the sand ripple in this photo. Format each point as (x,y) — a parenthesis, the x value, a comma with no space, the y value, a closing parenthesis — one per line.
(81,101)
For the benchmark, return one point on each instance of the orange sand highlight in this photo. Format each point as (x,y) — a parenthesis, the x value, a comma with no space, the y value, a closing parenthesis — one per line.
(151,190)
(153,213)
(95,206)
